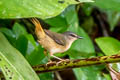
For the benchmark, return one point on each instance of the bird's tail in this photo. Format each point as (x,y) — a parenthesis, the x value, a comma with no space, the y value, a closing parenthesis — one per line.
(38,28)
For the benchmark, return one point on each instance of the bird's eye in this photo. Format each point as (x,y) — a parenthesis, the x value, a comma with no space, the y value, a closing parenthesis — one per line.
(72,35)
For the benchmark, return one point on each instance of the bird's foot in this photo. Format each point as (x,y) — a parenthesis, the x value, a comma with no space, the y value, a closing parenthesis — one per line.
(62,60)
(51,63)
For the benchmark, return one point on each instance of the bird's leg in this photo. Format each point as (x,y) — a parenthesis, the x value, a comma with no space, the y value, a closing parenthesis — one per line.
(61,60)
(49,60)
(56,57)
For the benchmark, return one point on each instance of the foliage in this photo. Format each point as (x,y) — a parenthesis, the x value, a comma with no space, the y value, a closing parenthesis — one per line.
(37,8)
(109,46)
(12,61)
(60,16)
(114,45)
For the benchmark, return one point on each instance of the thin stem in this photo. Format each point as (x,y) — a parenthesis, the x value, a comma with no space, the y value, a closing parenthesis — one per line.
(76,63)
(58,75)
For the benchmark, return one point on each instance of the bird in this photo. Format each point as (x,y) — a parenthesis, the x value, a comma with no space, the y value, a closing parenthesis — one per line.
(54,42)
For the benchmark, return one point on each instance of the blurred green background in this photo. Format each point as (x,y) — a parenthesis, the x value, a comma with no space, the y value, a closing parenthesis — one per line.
(86,18)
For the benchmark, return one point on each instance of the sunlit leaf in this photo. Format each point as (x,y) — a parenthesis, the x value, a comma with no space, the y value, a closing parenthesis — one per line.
(108,4)
(108,45)
(34,8)
(13,64)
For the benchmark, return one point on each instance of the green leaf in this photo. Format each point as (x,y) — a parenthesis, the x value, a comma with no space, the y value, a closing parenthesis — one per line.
(7,32)
(34,52)
(31,43)
(87,9)
(36,56)
(17,38)
(21,44)
(108,4)
(18,30)
(113,18)
(88,73)
(75,54)
(13,64)
(34,8)
(71,15)
(58,23)
(108,45)
(46,76)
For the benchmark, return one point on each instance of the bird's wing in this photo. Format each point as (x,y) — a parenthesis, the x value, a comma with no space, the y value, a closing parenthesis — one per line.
(58,38)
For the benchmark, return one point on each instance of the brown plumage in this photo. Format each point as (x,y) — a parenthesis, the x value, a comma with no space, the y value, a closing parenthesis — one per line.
(38,29)
(54,42)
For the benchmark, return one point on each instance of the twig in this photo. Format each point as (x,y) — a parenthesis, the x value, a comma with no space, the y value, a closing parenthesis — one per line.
(114,74)
(76,63)
(58,75)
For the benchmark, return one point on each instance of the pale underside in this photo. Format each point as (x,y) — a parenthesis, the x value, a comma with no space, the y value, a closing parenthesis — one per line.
(51,46)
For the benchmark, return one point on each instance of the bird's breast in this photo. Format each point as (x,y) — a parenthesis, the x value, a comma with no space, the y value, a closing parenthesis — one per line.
(56,50)
(68,46)
(60,49)
(52,47)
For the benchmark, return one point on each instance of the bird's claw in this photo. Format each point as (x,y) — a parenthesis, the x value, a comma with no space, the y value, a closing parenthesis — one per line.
(50,63)
(62,60)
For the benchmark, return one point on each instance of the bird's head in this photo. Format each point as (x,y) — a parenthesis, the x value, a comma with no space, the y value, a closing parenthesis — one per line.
(70,36)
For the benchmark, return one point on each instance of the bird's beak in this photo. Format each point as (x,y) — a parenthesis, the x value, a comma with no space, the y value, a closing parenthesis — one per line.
(79,37)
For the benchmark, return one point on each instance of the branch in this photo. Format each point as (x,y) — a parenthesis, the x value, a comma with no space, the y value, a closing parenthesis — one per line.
(76,63)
